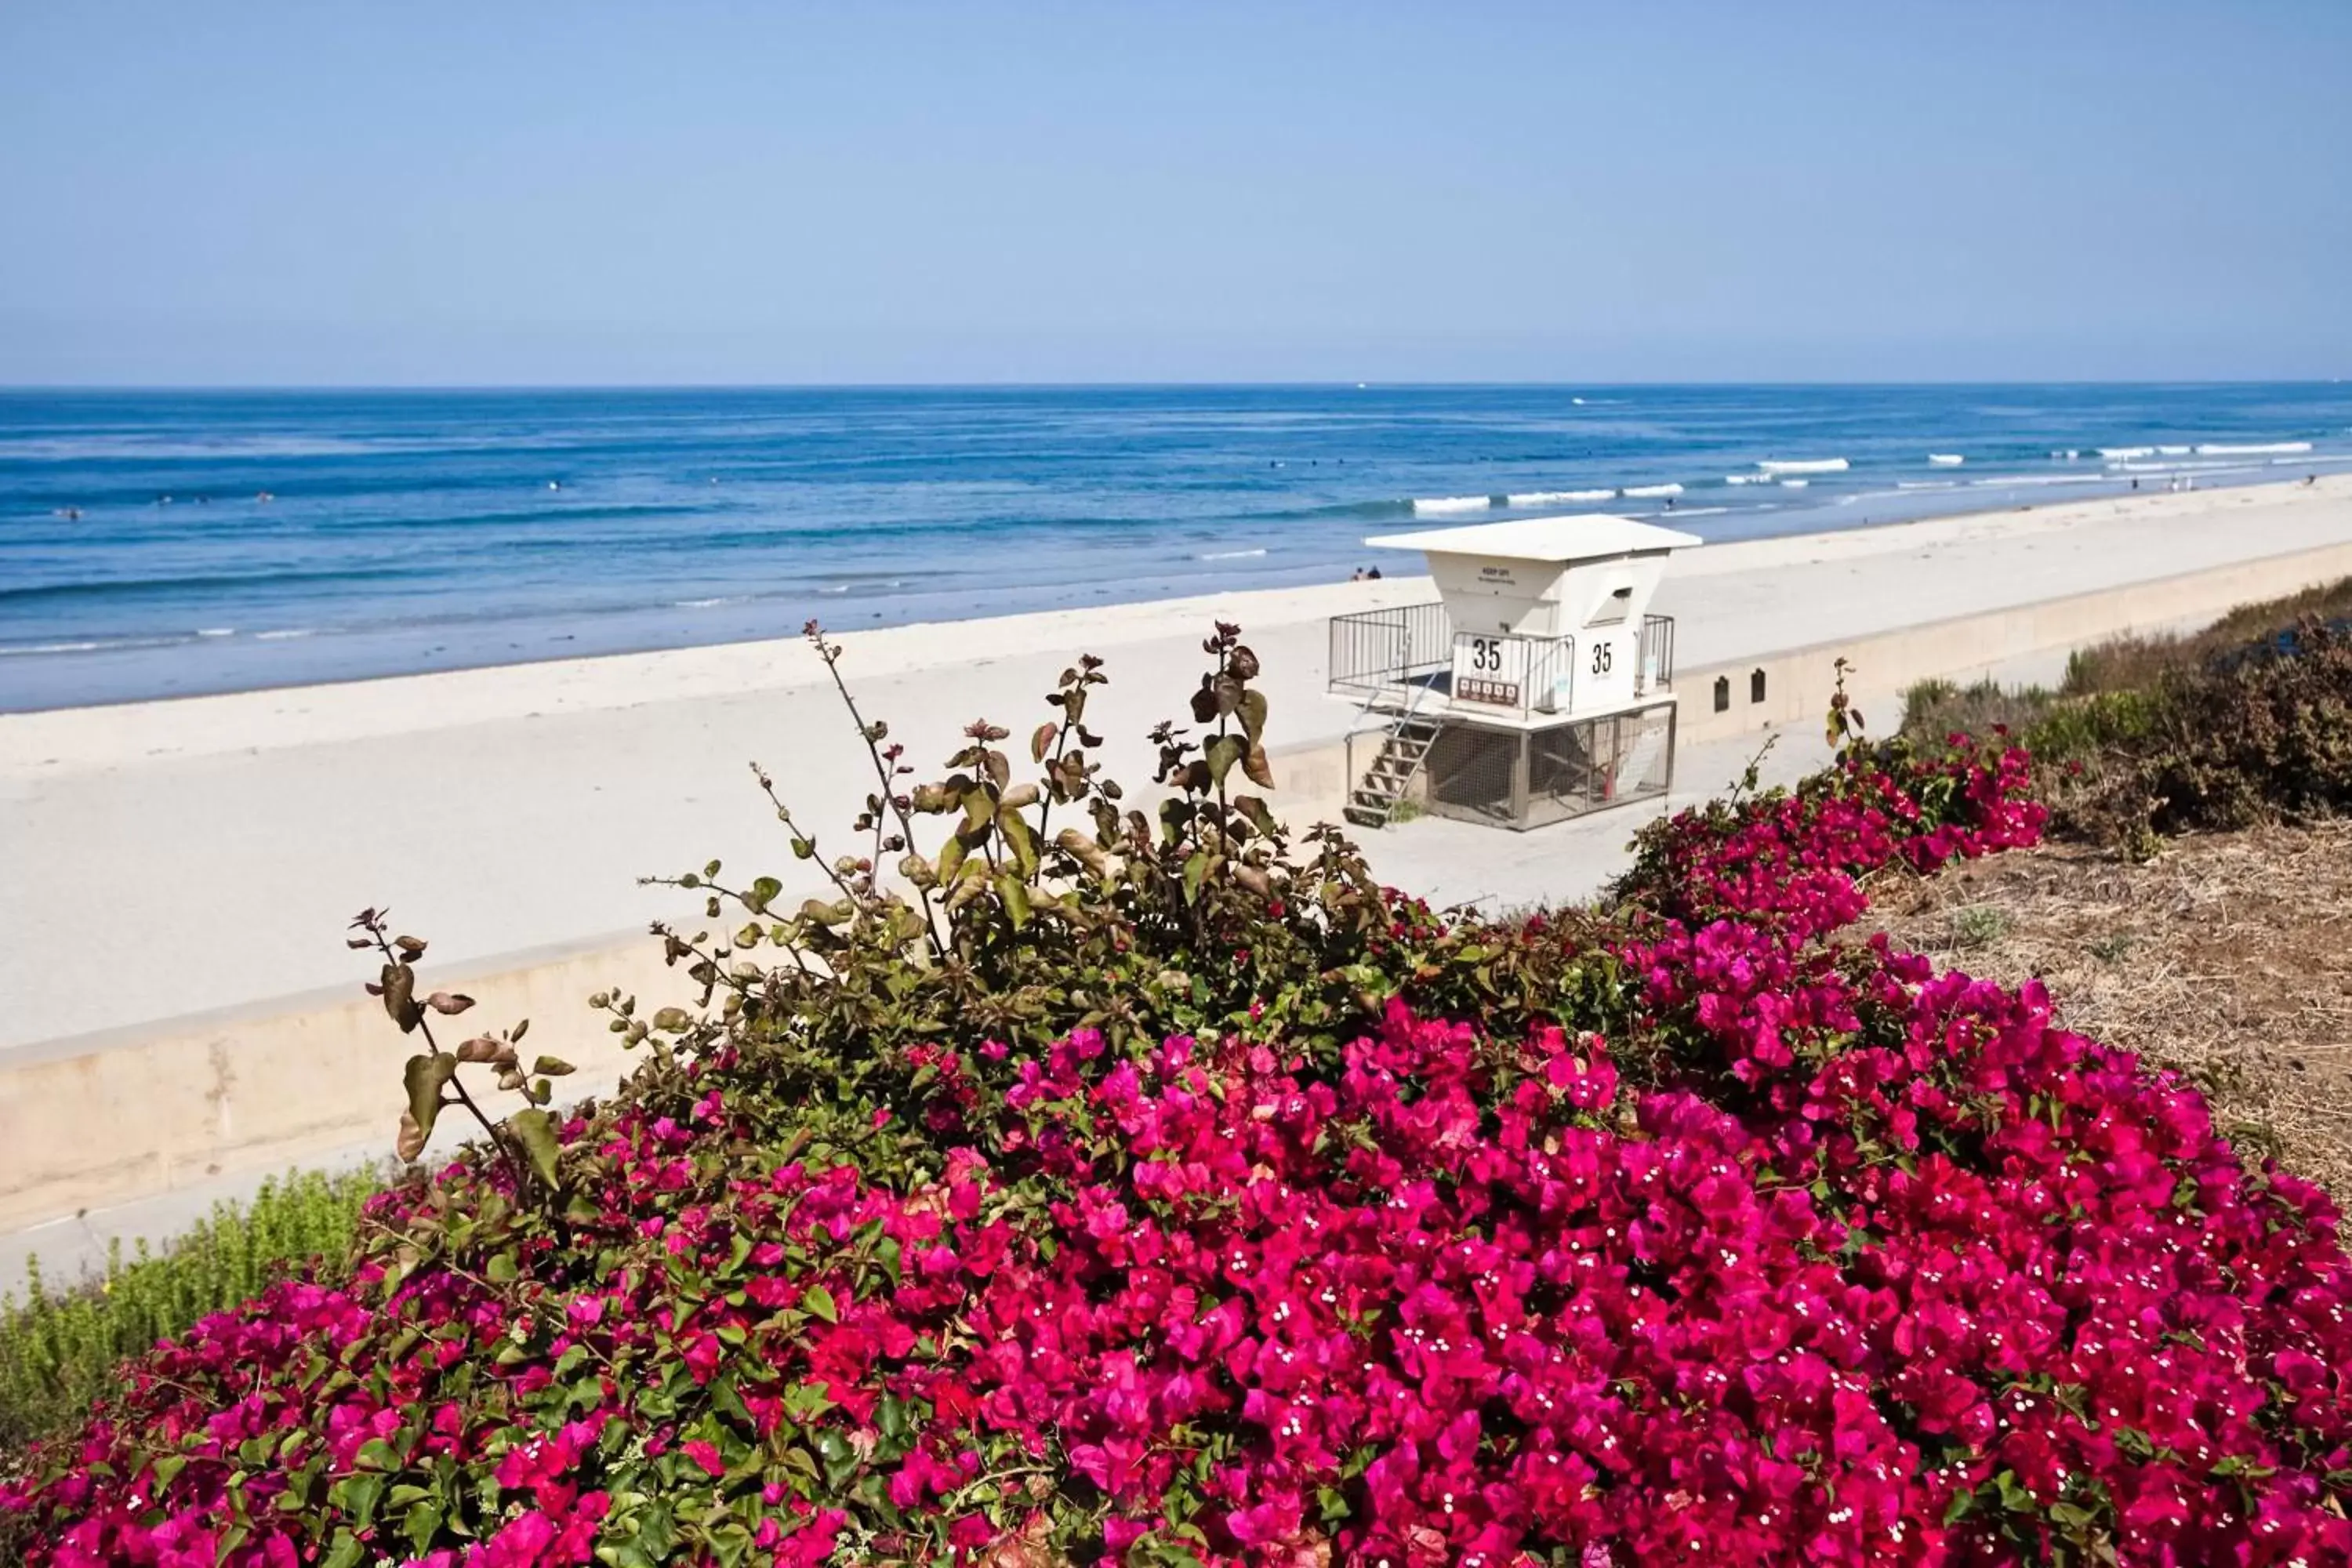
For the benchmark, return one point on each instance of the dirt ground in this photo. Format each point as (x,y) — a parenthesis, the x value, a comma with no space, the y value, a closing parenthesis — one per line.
(2229,956)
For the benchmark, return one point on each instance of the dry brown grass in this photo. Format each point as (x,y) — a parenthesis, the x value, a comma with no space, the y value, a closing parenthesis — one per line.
(2228,956)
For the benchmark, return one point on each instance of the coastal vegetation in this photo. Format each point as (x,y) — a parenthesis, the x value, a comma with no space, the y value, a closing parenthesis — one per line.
(59,1347)
(2246,721)
(1073,1184)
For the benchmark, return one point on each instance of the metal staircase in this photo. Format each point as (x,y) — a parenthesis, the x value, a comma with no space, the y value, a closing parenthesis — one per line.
(1404,744)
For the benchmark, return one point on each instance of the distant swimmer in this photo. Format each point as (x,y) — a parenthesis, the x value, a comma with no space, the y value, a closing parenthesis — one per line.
(553,486)
(263,496)
(71,514)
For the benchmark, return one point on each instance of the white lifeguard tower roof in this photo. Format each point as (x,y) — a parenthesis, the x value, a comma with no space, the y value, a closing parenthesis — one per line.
(1593,536)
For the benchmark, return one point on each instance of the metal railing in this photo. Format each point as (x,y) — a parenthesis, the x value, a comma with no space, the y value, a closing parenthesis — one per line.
(1386,658)
(1656,670)
(1379,651)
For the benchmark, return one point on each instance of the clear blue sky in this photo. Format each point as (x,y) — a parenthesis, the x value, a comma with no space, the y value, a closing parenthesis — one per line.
(514,193)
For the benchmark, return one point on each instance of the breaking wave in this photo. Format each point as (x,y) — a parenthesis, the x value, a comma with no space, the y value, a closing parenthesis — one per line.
(1557,497)
(1446,506)
(1804,465)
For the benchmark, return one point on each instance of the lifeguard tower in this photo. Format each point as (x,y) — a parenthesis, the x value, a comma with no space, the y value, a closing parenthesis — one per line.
(1539,687)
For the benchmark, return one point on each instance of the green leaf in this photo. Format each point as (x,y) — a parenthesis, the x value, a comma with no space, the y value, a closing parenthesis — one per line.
(551,1067)
(424,1522)
(761,893)
(399,981)
(819,1299)
(426,1077)
(1014,894)
(344,1553)
(1196,869)
(657,1531)
(357,1496)
(1015,828)
(1222,752)
(951,856)
(1254,808)
(1253,715)
(535,1130)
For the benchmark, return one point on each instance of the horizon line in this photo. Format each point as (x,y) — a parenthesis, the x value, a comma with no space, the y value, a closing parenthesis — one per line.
(1368,384)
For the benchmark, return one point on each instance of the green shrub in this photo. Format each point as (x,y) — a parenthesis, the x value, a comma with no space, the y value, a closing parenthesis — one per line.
(60,1347)
(2150,736)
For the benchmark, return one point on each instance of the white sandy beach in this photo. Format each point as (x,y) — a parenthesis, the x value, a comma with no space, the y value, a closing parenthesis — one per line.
(170,857)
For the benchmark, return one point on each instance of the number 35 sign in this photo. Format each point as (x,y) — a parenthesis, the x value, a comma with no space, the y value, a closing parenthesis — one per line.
(1492,671)
(1544,676)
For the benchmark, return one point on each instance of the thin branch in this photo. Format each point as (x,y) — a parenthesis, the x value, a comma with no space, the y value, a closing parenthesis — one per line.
(831,654)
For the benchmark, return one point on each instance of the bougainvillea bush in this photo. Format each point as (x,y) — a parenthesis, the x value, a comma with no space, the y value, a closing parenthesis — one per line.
(1295,1225)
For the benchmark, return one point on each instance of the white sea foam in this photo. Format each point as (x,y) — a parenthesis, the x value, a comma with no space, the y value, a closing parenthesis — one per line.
(55,647)
(1945,459)
(1697,511)
(1804,465)
(217,631)
(2178,468)
(1643,492)
(2046,480)
(1927,484)
(1227,554)
(1744,479)
(2126,451)
(707,603)
(1794,484)
(834,588)
(1441,505)
(1557,497)
(2221,449)
(2068,456)
(286,634)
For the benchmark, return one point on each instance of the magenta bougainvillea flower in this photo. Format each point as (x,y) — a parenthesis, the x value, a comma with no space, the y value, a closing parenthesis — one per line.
(1877,1266)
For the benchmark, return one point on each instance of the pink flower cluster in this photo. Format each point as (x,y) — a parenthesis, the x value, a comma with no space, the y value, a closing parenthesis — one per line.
(1885,1269)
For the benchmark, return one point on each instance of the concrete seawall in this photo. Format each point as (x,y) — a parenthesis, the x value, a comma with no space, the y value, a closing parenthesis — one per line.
(1798,681)
(129,1115)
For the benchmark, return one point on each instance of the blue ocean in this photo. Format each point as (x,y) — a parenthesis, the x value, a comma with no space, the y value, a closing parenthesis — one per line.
(165,544)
